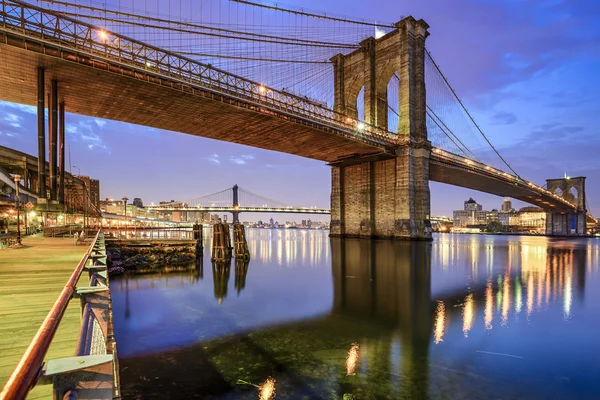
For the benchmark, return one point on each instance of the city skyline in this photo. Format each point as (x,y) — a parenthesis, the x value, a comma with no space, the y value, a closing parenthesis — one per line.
(530,88)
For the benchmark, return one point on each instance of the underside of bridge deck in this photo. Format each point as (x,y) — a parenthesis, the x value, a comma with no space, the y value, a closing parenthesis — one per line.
(111,95)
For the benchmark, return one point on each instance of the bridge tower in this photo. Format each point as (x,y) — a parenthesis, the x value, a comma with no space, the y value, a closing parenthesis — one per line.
(384,196)
(236,205)
(567,223)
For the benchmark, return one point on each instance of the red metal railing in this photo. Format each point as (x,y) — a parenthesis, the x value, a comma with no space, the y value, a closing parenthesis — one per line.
(28,370)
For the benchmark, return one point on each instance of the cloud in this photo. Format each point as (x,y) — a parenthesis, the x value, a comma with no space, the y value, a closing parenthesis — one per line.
(84,131)
(8,134)
(243,159)
(70,128)
(100,122)
(13,120)
(503,118)
(214,158)
(19,107)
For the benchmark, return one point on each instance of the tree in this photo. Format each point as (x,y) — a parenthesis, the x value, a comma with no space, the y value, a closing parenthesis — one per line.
(494,227)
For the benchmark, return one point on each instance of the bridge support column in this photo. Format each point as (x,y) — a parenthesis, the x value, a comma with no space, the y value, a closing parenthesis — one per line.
(41,134)
(61,132)
(383,198)
(566,224)
(53,122)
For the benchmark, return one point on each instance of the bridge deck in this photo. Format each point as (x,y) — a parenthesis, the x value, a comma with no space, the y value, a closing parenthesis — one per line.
(31,278)
(161,104)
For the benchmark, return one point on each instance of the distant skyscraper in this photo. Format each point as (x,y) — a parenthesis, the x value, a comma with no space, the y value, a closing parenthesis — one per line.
(138,202)
(471,205)
(507,204)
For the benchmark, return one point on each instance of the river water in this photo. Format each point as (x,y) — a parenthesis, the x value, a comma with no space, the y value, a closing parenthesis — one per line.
(464,317)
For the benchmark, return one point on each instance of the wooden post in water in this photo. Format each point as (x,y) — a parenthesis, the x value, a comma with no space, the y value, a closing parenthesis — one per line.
(227,237)
(221,243)
(197,228)
(239,242)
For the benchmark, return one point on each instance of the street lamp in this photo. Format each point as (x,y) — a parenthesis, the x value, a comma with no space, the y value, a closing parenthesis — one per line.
(78,170)
(17,179)
(125,208)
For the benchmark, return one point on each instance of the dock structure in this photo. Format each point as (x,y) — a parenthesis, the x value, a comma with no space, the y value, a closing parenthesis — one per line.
(31,278)
(50,346)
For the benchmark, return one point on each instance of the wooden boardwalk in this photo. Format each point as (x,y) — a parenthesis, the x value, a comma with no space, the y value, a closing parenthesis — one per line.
(31,278)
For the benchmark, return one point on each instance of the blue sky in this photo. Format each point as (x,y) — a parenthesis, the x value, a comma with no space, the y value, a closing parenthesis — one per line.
(527,70)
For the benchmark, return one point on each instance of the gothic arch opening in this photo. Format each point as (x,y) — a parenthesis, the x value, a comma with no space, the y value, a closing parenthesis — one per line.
(360,104)
(572,195)
(393,103)
(558,192)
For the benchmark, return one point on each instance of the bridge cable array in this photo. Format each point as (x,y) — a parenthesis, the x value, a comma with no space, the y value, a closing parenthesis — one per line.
(467,112)
(241,36)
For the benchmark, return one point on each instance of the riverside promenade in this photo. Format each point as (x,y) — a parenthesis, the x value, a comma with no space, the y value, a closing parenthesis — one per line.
(31,279)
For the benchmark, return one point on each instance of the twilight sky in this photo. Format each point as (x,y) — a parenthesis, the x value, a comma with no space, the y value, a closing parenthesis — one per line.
(526,69)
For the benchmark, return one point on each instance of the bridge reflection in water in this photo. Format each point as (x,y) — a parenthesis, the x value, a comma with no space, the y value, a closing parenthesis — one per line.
(399,319)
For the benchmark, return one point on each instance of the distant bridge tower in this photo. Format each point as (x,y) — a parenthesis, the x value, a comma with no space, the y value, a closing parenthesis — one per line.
(568,223)
(377,196)
(236,204)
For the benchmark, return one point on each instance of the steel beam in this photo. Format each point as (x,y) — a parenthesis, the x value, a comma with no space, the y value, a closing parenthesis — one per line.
(53,138)
(61,131)
(41,134)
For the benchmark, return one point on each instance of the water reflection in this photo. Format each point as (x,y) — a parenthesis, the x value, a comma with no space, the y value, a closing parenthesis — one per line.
(369,319)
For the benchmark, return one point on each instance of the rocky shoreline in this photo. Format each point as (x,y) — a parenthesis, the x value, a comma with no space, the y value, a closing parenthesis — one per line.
(149,258)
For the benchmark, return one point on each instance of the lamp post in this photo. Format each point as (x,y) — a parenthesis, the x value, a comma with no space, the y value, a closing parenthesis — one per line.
(125,208)
(17,179)
(78,170)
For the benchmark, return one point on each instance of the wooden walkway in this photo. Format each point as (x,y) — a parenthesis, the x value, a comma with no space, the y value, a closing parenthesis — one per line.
(31,278)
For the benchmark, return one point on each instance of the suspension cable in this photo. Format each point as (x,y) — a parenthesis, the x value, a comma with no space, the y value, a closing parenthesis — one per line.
(324,16)
(469,114)
(429,109)
(445,133)
(276,39)
(191,53)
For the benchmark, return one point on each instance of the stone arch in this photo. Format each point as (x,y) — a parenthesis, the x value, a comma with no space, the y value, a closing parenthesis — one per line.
(393,104)
(373,66)
(572,195)
(559,192)
(359,101)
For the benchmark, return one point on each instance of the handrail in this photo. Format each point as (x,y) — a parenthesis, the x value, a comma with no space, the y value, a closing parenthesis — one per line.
(28,370)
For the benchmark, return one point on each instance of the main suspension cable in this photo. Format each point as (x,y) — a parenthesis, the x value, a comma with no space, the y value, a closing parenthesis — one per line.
(469,114)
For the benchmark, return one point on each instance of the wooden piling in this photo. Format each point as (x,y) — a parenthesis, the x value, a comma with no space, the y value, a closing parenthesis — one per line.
(221,245)
(240,243)
(198,236)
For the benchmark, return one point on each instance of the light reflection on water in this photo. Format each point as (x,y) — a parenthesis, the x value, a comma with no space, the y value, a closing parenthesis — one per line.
(464,317)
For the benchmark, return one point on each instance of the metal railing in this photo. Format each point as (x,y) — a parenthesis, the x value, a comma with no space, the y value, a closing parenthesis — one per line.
(29,368)
(106,47)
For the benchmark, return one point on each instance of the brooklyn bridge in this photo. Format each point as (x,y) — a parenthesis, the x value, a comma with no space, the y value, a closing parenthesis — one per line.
(382,115)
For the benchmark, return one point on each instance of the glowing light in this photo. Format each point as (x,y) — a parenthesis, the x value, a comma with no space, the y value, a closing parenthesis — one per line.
(103,35)
(568,294)
(468,314)
(505,299)
(32,214)
(266,391)
(488,314)
(262,89)
(361,126)
(440,321)
(379,33)
(352,359)
(148,64)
